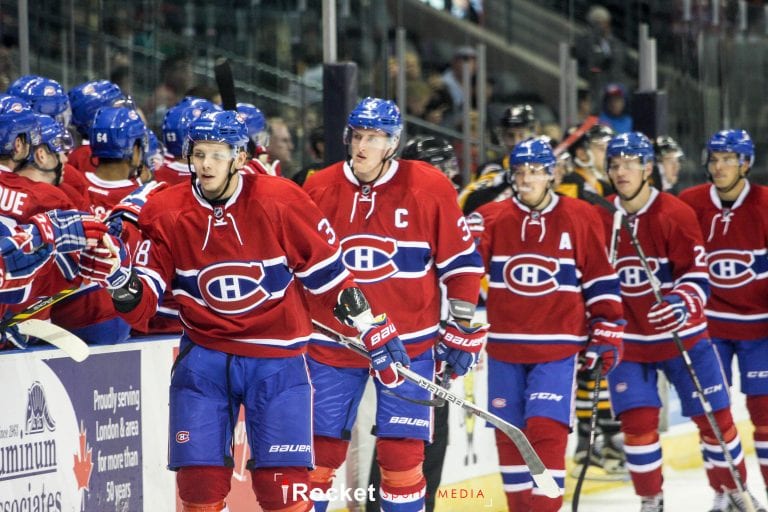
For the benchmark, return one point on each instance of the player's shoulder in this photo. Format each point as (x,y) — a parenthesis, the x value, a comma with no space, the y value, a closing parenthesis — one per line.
(45,196)
(269,189)
(696,194)
(325,177)
(422,177)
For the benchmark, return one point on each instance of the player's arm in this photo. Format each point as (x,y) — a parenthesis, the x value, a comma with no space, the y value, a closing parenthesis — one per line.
(684,304)
(460,268)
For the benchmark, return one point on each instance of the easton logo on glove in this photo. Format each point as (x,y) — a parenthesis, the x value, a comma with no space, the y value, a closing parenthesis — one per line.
(607,333)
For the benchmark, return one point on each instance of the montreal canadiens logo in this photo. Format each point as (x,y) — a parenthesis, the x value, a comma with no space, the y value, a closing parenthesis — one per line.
(232,287)
(730,269)
(531,274)
(182,436)
(634,279)
(370,257)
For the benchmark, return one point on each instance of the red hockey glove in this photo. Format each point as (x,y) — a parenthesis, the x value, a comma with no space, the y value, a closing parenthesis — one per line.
(107,264)
(130,206)
(605,345)
(460,345)
(676,309)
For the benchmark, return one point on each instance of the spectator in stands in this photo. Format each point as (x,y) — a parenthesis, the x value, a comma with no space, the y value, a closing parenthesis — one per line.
(600,56)
(177,77)
(614,112)
(452,80)
(280,148)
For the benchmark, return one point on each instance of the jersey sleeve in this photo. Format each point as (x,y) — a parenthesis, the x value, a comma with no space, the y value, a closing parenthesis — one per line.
(312,249)
(687,255)
(600,282)
(457,261)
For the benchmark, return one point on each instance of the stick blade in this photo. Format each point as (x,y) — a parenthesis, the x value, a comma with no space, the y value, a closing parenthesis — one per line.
(546,484)
(61,338)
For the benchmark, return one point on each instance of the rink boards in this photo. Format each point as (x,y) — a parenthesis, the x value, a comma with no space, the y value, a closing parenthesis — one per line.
(92,436)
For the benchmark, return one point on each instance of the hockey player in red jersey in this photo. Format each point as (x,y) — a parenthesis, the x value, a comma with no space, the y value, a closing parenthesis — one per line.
(236,250)
(175,124)
(552,292)
(402,234)
(734,221)
(667,230)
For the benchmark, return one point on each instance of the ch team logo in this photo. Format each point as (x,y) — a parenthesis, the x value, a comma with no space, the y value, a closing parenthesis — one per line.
(730,269)
(633,277)
(371,258)
(232,287)
(531,274)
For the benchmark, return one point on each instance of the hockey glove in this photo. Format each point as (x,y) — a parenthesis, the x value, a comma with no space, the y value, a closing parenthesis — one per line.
(605,345)
(386,349)
(676,309)
(68,230)
(130,206)
(107,264)
(21,259)
(460,345)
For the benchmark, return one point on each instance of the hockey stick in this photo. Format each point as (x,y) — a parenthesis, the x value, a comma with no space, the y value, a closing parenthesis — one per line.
(591,441)
(576,135)
(45,303)
(226,84)
(705,405)
(61,338)
(541,476)
(596,377)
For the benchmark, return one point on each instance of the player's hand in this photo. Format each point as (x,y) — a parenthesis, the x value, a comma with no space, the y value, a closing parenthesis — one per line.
(107,264)
(605,345)
(460,345)
(674,310)
(130,206)
(20,257)
(386,350)
(11,337)
(67,230)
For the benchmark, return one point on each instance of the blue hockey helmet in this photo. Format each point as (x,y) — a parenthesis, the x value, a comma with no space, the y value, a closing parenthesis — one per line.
(86,98)
(54,135)
(176,122)
(632,144)
(256,123)
(732,141)
(534,150)
(16,118)
(375,114)
(115,132)
(227,127)
(201,103)
(44,95)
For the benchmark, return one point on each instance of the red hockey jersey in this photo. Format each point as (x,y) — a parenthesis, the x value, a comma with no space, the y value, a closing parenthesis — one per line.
(173,172)
(548,277)
(401,237)
(670,237)
(80,158)
(233,267)
(736,239)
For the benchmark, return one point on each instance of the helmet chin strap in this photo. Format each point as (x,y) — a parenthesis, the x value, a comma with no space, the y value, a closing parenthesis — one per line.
(56,170)
(731,186)
(387,157)
(543,196)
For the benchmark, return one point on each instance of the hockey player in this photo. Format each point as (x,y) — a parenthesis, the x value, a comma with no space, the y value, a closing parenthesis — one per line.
(258,140)
(589,173)
(668,233)
(516,124)
(119,141)
(666,172)
(439,153)
(85,99)
(19,132)
(232,248)
(402,235)
(543,253)
(175,124)
(732,216)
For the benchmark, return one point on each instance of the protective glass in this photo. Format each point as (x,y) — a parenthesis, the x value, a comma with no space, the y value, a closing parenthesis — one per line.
(532,171)
(722,160)
(627,163)
(369,138)
(217,156)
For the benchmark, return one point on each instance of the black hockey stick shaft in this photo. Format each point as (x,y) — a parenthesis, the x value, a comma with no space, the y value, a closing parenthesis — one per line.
(705,405)
(592,432)
(226,83)
(539,472)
